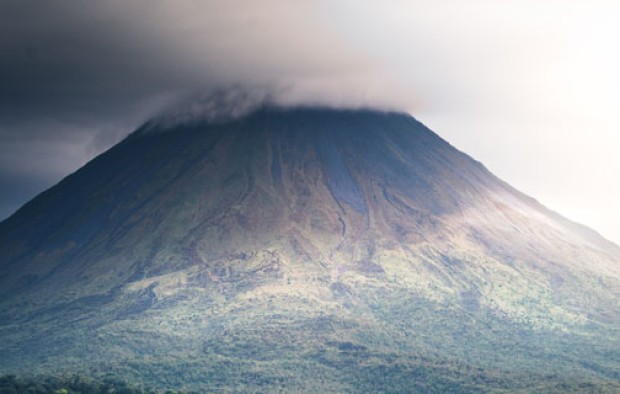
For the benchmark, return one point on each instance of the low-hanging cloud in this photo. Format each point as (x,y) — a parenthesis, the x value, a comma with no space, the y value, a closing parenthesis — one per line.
(82,60)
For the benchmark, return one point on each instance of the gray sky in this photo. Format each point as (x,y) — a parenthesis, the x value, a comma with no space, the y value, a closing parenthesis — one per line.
(528,87)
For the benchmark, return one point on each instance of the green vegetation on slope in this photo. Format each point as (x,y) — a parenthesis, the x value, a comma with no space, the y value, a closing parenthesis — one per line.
(378,379)
(75,384)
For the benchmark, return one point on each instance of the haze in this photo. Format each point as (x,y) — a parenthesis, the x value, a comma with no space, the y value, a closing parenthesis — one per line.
(529,88)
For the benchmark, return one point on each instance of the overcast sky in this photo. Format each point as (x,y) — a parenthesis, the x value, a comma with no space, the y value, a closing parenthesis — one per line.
(528,87)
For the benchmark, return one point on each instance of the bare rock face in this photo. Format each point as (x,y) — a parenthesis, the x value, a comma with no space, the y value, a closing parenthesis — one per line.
(305,250)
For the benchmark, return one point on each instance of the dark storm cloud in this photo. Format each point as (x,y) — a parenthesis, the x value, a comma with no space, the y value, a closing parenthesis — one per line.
(72,61)
(70,84)
(94,58)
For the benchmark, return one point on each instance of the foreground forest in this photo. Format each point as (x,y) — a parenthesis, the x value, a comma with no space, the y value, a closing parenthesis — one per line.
(77,384)
(10,384)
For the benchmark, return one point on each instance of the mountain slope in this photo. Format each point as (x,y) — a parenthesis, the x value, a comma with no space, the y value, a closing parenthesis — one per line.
(308,249)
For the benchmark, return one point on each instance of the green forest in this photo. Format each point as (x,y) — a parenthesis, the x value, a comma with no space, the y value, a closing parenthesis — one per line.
(76,384)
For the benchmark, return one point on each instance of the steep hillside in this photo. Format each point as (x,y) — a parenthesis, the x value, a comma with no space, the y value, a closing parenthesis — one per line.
(305,250)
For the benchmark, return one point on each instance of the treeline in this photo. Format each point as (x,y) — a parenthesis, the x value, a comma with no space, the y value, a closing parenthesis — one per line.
(11,384)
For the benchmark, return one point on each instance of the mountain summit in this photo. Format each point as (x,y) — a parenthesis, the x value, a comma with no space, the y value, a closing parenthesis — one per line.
(305,250)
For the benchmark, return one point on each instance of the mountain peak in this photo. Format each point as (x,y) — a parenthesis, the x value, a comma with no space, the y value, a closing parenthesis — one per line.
(311,239)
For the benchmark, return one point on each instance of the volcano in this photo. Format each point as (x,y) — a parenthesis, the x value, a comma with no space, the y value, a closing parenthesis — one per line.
(305,250)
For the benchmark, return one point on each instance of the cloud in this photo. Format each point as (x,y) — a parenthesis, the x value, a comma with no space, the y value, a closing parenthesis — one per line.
(86,63)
